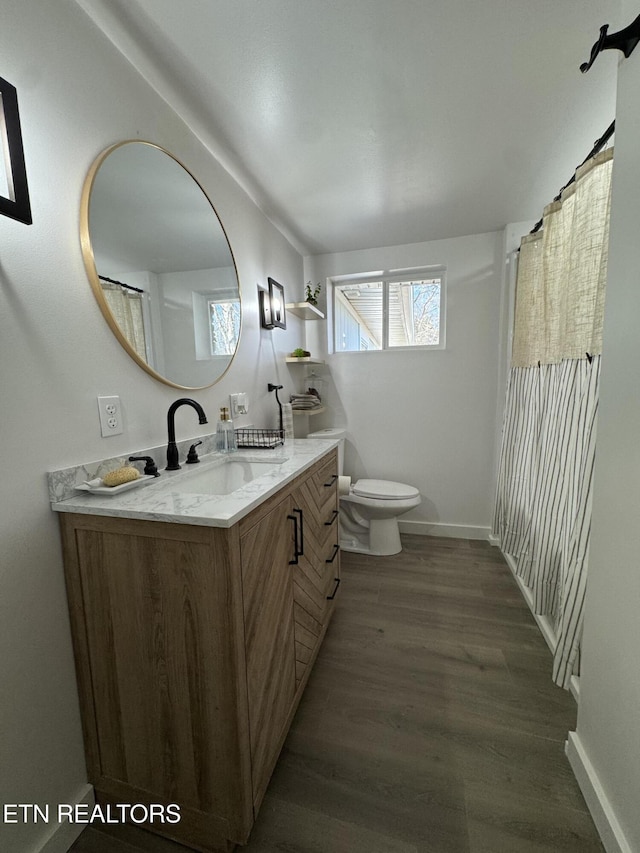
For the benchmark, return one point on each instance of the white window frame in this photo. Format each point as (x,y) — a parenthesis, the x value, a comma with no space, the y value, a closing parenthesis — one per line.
(387,278)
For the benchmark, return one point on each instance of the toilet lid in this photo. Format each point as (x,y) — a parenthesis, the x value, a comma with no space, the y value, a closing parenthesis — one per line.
(384,489)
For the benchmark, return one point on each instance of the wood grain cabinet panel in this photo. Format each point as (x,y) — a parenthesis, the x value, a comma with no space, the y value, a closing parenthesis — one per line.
(193,646)
(313,504)
(266,550)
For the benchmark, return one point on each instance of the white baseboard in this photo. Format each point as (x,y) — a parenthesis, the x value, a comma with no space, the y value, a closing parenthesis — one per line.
(453,531)
(603,816)
(609,829)
(574,687)
(546,628)
(63,835)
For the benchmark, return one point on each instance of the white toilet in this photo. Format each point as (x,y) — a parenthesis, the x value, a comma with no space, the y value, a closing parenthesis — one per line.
(369,512)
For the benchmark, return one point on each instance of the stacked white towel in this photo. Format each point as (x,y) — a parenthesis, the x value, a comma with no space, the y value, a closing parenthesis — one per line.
(301,402)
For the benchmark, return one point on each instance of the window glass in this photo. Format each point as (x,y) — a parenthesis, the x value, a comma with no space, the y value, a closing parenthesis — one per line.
(414,313)
(358,316)
(224,325)
(391,313)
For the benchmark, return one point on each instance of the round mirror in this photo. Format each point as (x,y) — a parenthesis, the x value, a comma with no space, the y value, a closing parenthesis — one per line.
(160,265)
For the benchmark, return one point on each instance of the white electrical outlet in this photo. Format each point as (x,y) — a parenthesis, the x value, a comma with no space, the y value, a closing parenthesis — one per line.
(110,416)
(238,404)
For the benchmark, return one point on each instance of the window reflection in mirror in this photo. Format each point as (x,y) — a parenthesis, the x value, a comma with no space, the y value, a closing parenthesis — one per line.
(160,265)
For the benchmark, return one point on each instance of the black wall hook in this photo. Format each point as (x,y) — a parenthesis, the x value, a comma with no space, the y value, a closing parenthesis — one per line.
(624,40)
(276,388)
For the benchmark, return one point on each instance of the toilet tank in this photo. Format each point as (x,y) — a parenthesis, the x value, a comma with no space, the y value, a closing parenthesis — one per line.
(333,433)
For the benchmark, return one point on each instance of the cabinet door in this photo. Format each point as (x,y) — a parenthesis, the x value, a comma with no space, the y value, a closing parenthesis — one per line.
(267,549)
(315,504)
(153,610)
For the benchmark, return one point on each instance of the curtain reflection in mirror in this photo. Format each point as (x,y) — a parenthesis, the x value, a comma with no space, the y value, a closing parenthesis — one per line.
(126,307)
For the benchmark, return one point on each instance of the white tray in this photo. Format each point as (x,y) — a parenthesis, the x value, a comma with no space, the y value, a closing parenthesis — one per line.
(97,486)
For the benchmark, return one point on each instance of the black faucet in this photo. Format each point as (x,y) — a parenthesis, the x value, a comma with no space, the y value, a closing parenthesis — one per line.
(172,449)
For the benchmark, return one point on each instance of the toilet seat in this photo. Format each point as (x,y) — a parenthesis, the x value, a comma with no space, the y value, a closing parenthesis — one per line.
(384,490)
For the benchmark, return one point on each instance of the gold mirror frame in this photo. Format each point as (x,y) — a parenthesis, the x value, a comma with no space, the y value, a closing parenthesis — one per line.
(92,272)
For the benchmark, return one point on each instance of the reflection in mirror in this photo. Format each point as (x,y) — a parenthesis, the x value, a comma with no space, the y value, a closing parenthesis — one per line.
(160,265)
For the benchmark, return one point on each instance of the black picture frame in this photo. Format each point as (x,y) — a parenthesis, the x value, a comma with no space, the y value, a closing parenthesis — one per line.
(16,205)
(277,304)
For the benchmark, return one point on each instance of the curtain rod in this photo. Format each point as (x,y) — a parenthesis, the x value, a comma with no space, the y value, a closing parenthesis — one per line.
(598,145)
(120,283)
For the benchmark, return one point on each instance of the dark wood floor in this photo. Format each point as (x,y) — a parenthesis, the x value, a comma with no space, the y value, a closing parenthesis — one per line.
(430,723)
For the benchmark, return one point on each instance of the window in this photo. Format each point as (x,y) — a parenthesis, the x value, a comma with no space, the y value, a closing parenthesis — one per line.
(224,325)
(389,313)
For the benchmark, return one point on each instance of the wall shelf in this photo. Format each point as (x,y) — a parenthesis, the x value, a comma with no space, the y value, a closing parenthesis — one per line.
(291,359)
(309,411)
(304,310)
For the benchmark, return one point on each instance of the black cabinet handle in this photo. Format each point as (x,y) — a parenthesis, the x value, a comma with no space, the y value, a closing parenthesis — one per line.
(333,594)
(334,515)
(336,551)
(301,551)
(296,554)
(334,477)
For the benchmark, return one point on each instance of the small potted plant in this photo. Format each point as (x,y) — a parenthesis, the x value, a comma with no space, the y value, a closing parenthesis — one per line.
(312,293)
(300,353)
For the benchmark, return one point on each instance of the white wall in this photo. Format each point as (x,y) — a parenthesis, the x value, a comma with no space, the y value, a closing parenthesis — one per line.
(606,749)
(427,418)
(77,96)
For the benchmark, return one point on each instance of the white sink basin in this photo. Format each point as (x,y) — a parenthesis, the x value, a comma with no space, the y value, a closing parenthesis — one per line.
(221,478)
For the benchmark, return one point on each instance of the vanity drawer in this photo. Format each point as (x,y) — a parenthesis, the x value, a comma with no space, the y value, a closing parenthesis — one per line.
(316,497)
(325,478)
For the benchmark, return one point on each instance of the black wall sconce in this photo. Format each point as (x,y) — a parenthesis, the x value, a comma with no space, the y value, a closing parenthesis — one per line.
(273,314)
(16,201)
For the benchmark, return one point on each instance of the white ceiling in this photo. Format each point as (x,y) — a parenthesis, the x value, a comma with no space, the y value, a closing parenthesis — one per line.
(362,123)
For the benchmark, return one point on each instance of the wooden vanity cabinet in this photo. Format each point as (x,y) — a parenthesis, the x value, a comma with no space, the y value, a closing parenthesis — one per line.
(288,571)
(315,573)
(193,645)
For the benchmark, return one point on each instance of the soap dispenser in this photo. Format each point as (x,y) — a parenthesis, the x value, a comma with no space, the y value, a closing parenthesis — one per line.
(225,434)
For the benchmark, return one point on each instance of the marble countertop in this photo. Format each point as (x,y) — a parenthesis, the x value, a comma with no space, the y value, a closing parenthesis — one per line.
(185,497)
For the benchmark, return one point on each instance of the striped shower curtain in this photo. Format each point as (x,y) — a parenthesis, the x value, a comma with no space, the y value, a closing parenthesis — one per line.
(543,503)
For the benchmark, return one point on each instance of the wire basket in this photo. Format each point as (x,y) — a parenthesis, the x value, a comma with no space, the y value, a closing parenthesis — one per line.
(263,438)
